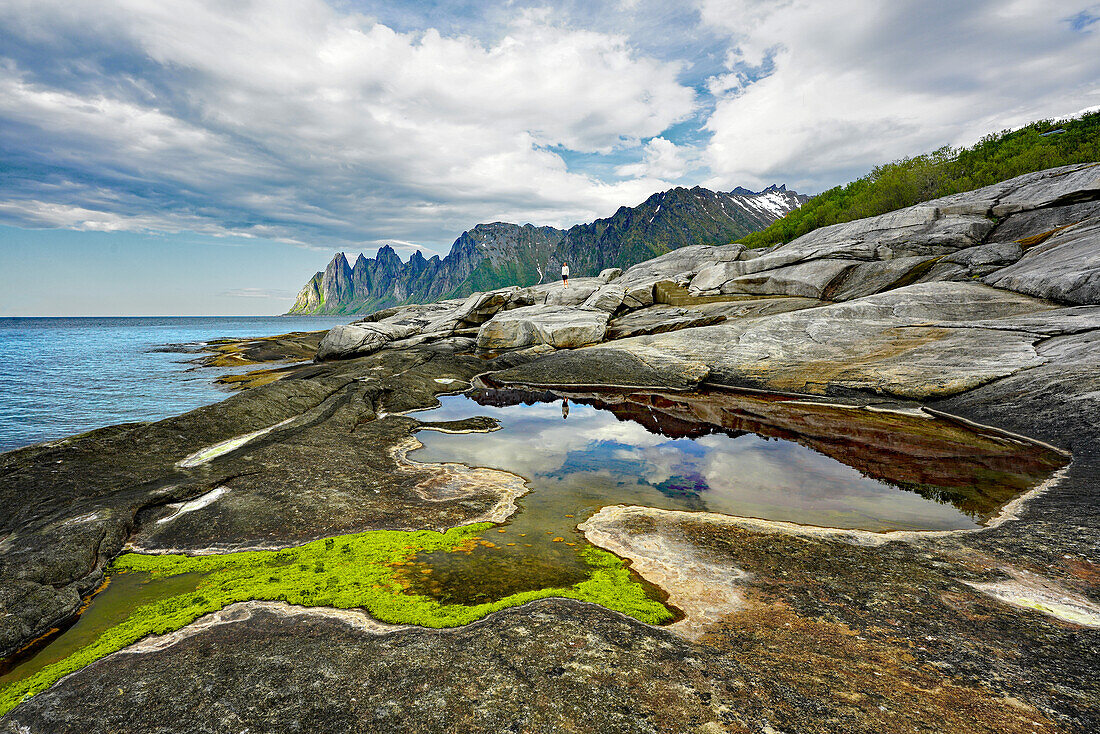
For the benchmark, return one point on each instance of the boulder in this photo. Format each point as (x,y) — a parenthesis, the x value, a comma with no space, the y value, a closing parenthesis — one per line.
(609,274)
(526,297)
(639,295)
(356,340)
(715,275)
(659,319)
(807,279)
(480,307)
(1066,267)
(863,279)
(576,293)
(561,327)
(682,260)
(607,298)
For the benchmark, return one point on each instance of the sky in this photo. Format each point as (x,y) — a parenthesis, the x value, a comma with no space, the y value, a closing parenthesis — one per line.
(202,157)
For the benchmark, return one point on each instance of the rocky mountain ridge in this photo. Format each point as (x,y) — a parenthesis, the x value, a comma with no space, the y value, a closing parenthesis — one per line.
(499,254)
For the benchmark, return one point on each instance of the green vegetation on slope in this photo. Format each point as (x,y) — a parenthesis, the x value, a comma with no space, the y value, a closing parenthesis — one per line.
(946,171)
(485,277)
(364,570)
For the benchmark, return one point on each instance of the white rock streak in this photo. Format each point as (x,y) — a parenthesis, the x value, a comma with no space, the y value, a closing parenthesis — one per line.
(209,453)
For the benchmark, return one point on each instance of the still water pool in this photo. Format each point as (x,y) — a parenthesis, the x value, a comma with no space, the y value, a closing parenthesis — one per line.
(742,455)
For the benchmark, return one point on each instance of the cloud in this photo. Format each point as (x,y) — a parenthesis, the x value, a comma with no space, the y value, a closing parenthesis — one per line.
(312,124)
(662,160)
(817,93)
(294,121)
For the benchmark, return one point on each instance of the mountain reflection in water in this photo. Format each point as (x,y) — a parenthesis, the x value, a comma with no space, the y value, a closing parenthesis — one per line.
(739,454)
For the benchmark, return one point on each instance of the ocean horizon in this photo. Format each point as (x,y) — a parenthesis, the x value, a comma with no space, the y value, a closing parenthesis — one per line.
(70,374)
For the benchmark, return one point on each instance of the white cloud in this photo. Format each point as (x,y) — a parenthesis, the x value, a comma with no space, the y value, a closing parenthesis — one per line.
(293,116)
(662,160)
(851,84)
(303,122)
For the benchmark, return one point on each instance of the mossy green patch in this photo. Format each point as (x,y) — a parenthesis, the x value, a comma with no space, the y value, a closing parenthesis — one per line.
(349,571)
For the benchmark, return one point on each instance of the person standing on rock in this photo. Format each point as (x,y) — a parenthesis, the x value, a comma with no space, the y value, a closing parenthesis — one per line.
(565,274)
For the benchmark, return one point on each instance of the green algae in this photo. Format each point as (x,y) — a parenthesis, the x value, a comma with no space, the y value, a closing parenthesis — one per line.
(362,571)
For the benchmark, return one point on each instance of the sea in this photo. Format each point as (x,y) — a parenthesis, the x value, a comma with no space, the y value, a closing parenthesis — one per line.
(62,376)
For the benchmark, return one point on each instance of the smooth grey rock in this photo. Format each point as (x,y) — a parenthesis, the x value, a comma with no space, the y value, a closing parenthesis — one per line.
(1067,184)
(665,267)
(1056,322)
(807,279)
(576,293)
(944,271)
(864,279)
(639,295)
(446,323)
(996,253)
(730,253)
(658,319)
(682,279)
(561,327)
(356,340)
(747,308)
(1029,191)
(1064,268)
(608,298)
(1038,221)
(715,275)
(637,367)
(609,274)
(480,307)
(915,342)
(854,259)
(918,230)
(526,297)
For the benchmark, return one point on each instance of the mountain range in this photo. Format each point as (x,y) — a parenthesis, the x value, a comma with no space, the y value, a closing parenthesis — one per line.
(499,254)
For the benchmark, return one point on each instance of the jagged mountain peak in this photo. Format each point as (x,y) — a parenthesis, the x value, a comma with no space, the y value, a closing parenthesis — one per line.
(494,254)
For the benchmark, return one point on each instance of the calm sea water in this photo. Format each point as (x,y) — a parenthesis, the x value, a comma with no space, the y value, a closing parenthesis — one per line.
(60,376)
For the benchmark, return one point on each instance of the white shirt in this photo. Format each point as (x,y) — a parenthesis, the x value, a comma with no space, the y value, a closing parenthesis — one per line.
(565,271)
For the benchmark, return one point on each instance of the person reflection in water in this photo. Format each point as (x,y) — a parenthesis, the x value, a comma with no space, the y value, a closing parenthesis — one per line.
(564,408)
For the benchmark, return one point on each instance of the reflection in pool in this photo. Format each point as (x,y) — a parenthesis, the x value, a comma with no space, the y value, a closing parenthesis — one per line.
(744,455)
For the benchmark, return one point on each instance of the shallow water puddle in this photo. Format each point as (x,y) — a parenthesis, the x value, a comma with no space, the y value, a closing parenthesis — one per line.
(124,593)
(736,454)
(358,571)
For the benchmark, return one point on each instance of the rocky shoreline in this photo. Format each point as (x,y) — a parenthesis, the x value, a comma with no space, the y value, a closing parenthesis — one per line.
(984,306)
